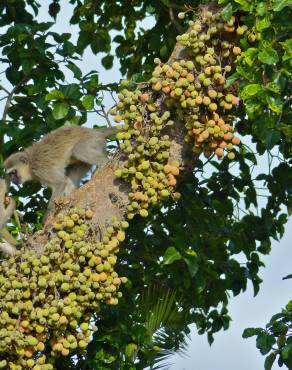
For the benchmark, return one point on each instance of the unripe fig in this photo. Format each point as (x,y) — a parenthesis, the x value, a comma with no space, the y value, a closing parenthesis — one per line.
(231,155)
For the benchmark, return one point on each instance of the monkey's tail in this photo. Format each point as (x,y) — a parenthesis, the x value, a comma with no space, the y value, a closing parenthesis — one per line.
(7,248)
(108,131)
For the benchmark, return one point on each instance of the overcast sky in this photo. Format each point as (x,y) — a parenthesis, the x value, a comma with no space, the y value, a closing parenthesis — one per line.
(229,351)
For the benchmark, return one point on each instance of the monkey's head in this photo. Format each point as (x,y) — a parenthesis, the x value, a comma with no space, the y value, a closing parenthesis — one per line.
(17,168)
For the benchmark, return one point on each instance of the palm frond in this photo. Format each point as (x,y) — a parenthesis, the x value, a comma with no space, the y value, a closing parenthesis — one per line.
(164,321)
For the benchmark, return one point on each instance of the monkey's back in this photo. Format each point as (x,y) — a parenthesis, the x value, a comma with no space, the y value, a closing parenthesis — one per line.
(54,150)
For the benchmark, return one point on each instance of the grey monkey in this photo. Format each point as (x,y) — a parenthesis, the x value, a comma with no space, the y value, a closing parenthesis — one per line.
(60,159)
(8,242)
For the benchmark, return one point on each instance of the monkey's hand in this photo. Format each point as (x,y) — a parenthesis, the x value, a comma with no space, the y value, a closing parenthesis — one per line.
(5,213)
(9,242)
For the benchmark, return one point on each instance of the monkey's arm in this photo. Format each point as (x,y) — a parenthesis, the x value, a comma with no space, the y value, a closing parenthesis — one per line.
(5,214)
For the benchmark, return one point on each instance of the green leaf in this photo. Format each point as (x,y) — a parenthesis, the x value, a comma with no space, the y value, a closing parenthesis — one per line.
(286,351)
(171,255)
(272,137)
(76,70)
(54,9)
(249,332)
(261,8)
(275,104)
(84,40)
(130,349)
(71,91)
(60,110)
(263,23)
(88,102)
(250,55)
(192,263)
(101,41)
(264,342)
(287,45)
(270,360)
(54,95)
(278,5)
(227,11)
(27,66)
(107,61)
(163,51)
(67,50)
(250,90)
(231,79)
(268,56)
(245,5)
(272,86)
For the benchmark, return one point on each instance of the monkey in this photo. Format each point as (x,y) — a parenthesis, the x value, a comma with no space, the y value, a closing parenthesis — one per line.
(60,159)
(9,243)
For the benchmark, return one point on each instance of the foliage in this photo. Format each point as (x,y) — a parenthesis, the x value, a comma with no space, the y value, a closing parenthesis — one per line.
(275,339)
(264,72)
(191,246)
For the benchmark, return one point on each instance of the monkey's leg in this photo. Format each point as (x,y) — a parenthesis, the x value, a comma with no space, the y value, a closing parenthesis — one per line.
(76,172)
(61,182)
(58,189)
(90,152)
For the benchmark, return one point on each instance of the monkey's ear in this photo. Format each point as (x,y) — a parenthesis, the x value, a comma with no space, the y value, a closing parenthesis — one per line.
(23,158)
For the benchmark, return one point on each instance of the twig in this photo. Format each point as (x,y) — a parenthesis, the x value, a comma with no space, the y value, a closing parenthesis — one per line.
(174,22)
(4,89)
(107,120)
(8,102)
(106,116)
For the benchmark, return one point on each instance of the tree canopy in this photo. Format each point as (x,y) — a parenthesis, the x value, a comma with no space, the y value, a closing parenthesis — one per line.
(207,93)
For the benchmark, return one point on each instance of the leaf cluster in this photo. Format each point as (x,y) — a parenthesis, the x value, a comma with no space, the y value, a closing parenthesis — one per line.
(275,339)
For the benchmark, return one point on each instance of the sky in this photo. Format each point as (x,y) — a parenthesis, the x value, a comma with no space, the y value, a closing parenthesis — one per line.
(229,351)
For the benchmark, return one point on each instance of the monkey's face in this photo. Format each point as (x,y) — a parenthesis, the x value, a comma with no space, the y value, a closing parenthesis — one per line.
(17,168)
(19,174)
(14,176)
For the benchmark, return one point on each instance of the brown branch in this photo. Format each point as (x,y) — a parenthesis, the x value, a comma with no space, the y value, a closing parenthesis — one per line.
(174,22)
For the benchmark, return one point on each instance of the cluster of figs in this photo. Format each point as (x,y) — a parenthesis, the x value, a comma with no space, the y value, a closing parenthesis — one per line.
(192,90)
(47,301)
